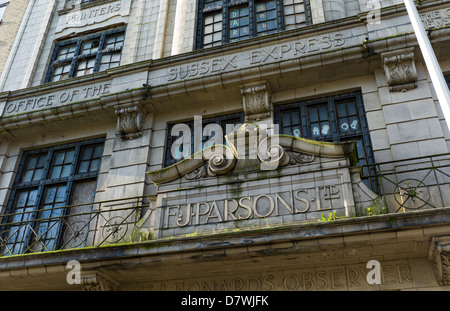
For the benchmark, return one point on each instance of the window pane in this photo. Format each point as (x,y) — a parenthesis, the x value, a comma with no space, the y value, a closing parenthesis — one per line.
(16,235)
(90,159)
(238,24)
(90,46)
(56,172)
(294,14)
(61,72)
(85,67)
(62,164)
(212,30)
(34,168)
(87,153)
(66,52)
(109,61)
(114,41)
(266,18)
(341,110)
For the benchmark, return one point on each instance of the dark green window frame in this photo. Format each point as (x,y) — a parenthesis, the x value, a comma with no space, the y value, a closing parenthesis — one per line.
(86,54)
(334,119)
(42,189)
(224,21)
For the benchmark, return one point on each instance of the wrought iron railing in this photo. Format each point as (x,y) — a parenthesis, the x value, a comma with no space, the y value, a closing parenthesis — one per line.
(400,186)
(411,184)
(105,222)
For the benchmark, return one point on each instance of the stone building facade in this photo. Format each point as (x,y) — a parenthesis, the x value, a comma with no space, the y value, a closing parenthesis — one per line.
(224,145)
(11,15)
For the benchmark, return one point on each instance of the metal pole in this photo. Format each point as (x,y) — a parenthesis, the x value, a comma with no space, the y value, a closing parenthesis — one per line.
(437,78)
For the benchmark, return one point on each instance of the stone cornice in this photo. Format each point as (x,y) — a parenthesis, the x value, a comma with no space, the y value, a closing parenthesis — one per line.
(357,50)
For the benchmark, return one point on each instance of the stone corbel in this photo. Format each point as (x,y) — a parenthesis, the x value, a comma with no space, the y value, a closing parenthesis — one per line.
(130,119)
(439,253)
(256,100)
(400,70)
(98,282)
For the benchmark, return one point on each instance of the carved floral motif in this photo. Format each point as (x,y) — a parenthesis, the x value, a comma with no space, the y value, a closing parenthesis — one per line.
(130,119)
(256,100)
(400,70)
(440,254)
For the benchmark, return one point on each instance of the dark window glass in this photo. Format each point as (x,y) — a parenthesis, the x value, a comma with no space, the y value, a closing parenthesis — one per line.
(45,184)
(336,119)
(239,24)
(86,55)
(210,129)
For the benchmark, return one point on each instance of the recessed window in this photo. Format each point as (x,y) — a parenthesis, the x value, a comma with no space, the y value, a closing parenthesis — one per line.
(230,21)
(210,128)
(86,55)
(48,180)
(334,119)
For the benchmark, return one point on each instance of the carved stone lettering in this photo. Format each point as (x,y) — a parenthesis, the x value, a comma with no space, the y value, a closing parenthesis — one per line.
(263,55)
(346,277)
(295,202)
(81,15)
(434,19)
(56,99)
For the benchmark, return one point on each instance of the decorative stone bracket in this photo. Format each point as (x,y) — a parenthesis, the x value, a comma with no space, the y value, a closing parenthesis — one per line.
(98,282)
(256,100)
(130,119)
(400,70)
(440,253)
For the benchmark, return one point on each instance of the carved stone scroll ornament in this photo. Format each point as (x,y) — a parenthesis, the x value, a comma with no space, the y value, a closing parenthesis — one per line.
(130,118)
(273,155)
(400,70)
(256,101)
(219,162)
(440,253)
(271,152)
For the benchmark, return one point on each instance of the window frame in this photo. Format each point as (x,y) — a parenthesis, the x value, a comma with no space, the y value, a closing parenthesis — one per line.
(224,8)
(169,160)
(43,184)
(77,56)
(363,133)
